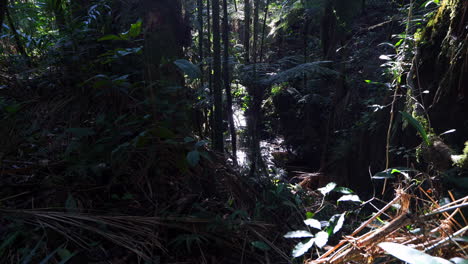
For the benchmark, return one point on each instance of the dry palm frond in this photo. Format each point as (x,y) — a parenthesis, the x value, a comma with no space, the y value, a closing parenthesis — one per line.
(138,234)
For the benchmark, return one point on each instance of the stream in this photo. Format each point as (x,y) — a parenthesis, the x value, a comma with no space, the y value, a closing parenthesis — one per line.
(267,147)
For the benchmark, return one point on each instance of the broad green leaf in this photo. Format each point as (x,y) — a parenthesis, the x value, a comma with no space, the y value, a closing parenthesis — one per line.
(416,124)
(321,239)
(298,234)
(349,198)
(190,69)
(410,255)
(327,189)
(313,223)
(309,215)
(301,248)
(260,245)
(193,157)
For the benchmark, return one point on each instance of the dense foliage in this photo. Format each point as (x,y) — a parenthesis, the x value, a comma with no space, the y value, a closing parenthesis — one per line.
(219,131)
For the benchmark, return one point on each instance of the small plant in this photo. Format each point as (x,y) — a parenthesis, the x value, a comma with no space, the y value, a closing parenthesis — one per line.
(326,229)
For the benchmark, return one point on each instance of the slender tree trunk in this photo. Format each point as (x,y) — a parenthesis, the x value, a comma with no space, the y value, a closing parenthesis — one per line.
(218,143)
(210,67)
(3,7)
(200,37)
(59,15)
(227,82)
(264,30)
(247,31)
(16,36)
(256,95)
(199,113)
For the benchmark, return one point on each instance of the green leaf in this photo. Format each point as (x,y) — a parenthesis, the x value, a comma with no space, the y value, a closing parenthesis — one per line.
(190,69)
(298,234)
(388,173)
(349,198)
(321,239)
(313,223)
(109,37)
(309,215)
(301,248)
(260,245)
(339,223)
(193,157)
(416,124)
(327,189)
(410,255)
(135,29)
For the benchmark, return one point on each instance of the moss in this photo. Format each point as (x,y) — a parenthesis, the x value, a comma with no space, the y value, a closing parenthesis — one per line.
(462,160)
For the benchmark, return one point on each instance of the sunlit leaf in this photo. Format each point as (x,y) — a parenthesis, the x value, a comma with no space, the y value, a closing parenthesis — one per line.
(298,234)
(321,239)
(343,190)
(301,248)
(349,198)
(313,223)
(448,132)
(339,223)
(458,260)
(410,255)
(327,189)
(385,57)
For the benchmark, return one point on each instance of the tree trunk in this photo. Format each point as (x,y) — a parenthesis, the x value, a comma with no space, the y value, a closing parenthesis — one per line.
(218,143)
(16,36)
(247,31)
(262,42)
(227,82)
(255,108)
(210,72)
(3,7)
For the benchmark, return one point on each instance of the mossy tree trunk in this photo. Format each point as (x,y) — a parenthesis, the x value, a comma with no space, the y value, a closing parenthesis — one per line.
(442,70)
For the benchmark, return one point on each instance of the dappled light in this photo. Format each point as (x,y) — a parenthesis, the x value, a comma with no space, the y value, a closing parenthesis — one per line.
(233,131)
